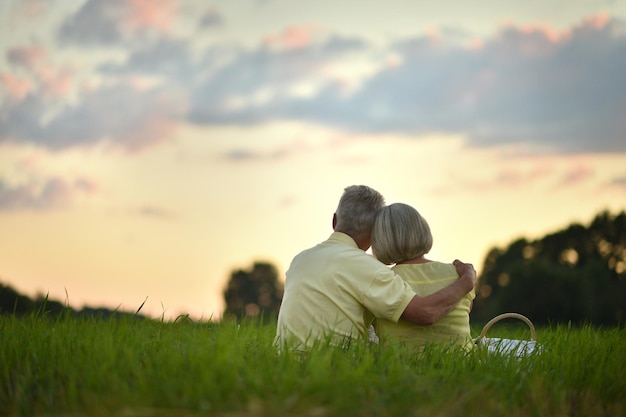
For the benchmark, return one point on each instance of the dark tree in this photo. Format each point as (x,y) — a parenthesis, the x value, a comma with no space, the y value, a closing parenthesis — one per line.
(575,275)
(14,303)
(11,302)
(254,294)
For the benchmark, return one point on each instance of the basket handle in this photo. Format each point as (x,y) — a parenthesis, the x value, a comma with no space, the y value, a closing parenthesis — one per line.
(525,319)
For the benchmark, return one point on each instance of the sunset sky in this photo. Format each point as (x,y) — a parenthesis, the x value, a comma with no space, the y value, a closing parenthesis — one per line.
(148,148)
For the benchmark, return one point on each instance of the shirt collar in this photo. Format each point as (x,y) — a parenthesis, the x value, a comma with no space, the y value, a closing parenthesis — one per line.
(343,238)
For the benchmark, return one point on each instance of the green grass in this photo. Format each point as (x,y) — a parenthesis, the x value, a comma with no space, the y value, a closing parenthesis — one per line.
(126,367)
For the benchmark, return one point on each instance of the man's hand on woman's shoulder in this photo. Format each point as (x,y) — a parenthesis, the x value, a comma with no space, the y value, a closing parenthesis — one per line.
(466,272)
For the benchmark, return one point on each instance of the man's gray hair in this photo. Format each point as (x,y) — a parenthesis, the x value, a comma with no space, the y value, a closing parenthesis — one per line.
(357,210)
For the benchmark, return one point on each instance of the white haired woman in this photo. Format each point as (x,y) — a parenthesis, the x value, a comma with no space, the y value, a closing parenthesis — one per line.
(401,236)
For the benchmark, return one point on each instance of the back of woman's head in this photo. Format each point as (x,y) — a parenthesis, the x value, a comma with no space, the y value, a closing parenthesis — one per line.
(357,210)
(400,233)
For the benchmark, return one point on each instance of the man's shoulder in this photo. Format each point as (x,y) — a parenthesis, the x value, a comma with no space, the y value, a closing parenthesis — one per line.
(368,265)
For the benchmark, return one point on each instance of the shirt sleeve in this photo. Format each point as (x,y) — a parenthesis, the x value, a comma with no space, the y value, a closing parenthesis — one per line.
(387,295)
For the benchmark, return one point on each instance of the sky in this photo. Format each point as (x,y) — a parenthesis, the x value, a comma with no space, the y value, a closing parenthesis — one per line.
(149,148)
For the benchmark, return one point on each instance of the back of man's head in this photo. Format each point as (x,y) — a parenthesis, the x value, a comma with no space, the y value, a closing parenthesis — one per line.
(357,210)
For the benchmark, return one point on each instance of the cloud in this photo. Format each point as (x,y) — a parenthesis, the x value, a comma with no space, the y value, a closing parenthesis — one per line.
(19,14)
(557,92)
(154,212)
(527,87)
(576,175)
(515,177)
(167,58)
(16,87)
(619,182)
(521,87)
(39,71)
(124,115)
(527,172)
(52,193)
(114,21)
(291,148)
(293,37)
(282,72)
(211,18)
(237,155)
(28,57)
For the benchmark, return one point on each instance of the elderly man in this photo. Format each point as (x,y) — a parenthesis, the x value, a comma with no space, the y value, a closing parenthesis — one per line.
(335,289)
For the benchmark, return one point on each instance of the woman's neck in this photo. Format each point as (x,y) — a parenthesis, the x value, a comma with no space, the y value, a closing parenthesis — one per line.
(418,260)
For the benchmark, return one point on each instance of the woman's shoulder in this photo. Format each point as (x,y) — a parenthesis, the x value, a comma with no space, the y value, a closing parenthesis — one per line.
(442,267)
(426,272)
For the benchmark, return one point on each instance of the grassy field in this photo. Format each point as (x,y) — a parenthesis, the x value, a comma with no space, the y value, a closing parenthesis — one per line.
(131,367)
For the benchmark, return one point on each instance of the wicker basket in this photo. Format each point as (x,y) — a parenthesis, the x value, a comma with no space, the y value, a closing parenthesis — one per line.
(514,347)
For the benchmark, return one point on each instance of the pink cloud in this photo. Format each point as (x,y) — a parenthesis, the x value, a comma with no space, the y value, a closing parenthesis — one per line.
(546,31)
(57,82)
(54,81)
(29,163)
(29,56)
(119,115)
(56,193)
(52,193)
(541,170)
(87,185)
(433,34)
(476,44)
(41,190)
(23,12)
(293,37)
(154,126)
(149,132)
(150,14)
(33,8)
(597,21)
(510,177)
(16,87)
(533,39)
(113,21)
(577,174)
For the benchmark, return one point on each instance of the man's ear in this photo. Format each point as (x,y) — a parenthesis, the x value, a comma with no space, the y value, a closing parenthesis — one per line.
(334,220)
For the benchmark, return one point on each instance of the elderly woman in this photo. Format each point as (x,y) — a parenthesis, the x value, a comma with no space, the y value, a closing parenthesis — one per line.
(401,236)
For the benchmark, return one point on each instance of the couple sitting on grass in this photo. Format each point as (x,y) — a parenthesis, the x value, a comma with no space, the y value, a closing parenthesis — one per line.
(335,291)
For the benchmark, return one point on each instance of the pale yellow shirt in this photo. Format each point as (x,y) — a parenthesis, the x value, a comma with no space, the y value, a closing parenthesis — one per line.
(426,279)
(332,292)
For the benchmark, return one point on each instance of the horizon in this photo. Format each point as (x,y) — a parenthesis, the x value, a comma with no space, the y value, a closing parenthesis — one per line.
(138,310)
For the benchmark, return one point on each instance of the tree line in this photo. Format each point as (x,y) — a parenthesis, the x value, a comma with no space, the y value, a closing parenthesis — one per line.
(576,275)
(12,302)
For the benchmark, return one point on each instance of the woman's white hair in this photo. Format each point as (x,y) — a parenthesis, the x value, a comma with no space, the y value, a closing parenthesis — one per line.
(400,233)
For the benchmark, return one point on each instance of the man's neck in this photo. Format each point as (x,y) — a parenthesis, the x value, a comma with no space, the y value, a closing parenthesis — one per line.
(363,243)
